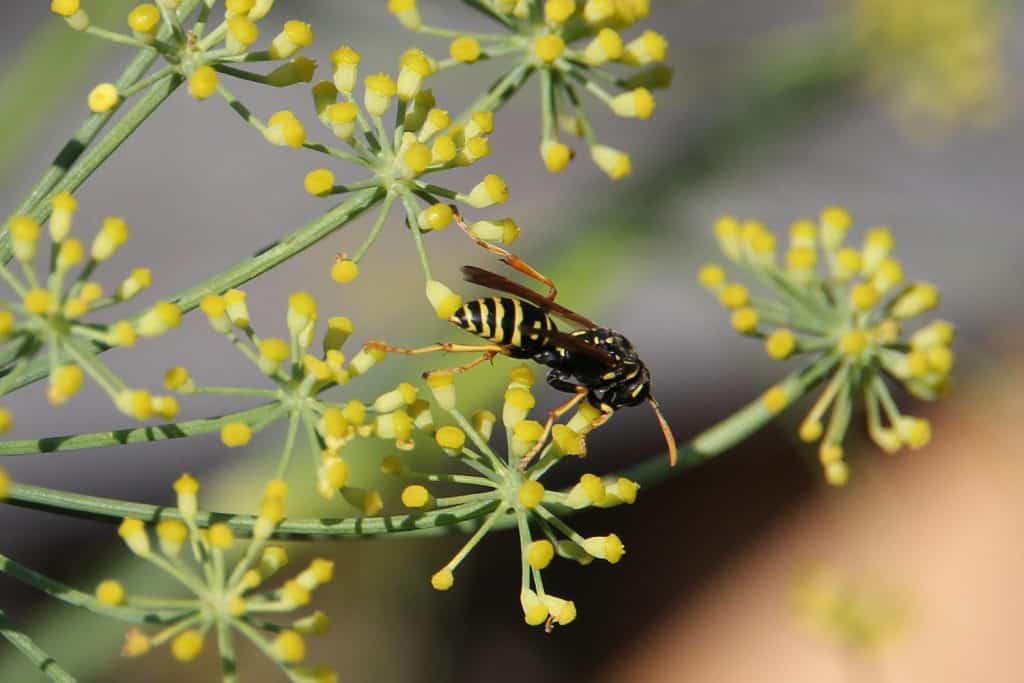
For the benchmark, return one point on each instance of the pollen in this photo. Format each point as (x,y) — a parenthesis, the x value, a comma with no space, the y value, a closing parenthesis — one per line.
(465,49)
(235,434)
(159,319)
(37,301)
(110,592)
(112,235)
(64,8)
(103,98)
(344,271)
(490,191)
(864,296)
(444,301)
(540,553)
(417,158)
(436,217)
(745,320)
(734,296)
(605,47)
(559,11)
(187,645)
(293,37)
(616,164)
(319,182)
(284,130)
(415,496)
(203,82)
(450,438)
(637,104)
(837,474)
(780,344)
(406,12)
(556,155)
(650,47)
(711,276)
(243,31)
(853,343)
(531,494)
(221,536)
(442,580)
(549,47)
(775,399)
(144,19)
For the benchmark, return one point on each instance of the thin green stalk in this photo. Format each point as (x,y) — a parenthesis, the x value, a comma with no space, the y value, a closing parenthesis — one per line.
(77,598)
(241,273)
(88,162)
(120,437)
(707,445)
(228,660)
(498,93)
(35,654)
(87,132)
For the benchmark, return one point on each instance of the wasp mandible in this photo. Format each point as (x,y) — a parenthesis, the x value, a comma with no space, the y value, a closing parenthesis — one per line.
(594,363)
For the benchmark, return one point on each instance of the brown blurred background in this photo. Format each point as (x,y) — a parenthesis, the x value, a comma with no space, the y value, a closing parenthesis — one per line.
(760,123)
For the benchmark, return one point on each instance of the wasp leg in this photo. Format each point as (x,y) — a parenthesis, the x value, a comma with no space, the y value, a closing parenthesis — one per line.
(488,355)
(446,347)
(581,393)
(489,351)
(508,257)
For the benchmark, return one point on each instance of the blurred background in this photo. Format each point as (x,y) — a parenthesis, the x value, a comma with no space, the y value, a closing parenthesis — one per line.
(907,112)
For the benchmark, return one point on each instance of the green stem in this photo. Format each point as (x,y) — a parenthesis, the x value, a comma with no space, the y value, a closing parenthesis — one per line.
(77,598)
(120,437)
(705,446)
(86,133)
(241,273)
(228,661)
(91,160)
(36,655)
(499,93)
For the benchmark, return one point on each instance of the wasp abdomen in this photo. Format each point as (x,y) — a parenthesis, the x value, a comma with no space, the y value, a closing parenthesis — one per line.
(509,322)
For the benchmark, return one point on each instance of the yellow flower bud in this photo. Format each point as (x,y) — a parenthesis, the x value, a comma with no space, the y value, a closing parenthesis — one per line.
(465,49)
(103,98)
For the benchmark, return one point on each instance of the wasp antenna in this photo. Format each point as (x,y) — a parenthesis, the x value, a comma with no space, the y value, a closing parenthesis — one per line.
(670,439)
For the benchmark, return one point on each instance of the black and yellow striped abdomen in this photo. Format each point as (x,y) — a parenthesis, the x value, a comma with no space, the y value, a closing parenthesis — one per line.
(509,322)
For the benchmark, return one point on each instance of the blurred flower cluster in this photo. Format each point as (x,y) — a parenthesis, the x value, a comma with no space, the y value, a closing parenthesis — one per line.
(936,60)
(192,53)
(860,616)
(47,312)
(847,309)
(225,599)
(570,45)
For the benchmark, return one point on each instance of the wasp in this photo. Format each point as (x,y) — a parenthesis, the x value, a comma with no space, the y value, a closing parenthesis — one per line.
(594,363)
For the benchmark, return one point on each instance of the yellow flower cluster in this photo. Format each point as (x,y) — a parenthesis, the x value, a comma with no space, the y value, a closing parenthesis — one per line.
(226,599)
(47,310)
(569,43)
(858,616)
(301,377)
(509,492)
(936,60)
(848,307)
(424,141)
(193,52)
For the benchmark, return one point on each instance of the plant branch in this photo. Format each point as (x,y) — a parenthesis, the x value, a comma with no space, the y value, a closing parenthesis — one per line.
(40,660)
(121,437)
(705,446)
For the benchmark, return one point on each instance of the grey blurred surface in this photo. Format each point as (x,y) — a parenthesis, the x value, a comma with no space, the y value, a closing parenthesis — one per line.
(202,191)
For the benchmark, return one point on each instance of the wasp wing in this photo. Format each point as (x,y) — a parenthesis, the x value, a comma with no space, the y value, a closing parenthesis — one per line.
(486,278)
(576,345)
